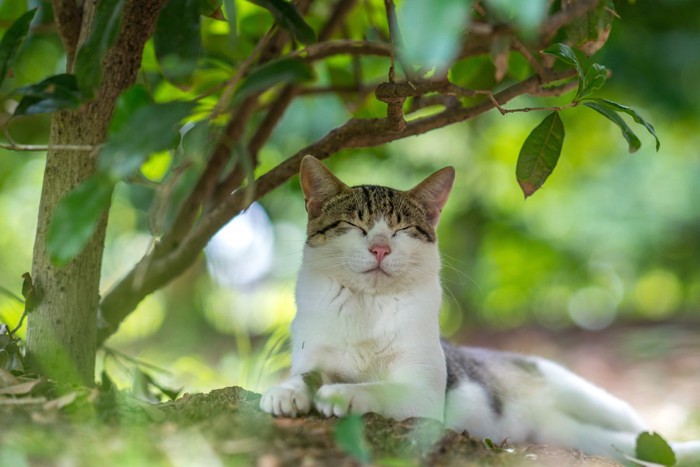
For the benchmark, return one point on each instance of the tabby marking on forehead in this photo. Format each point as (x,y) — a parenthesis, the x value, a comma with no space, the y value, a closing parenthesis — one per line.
(365,205)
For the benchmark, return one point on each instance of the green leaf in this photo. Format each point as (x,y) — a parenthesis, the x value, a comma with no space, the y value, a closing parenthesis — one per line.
(150,129)
(285,70)
(54,93)
(350,437)
(288,17)
(76,217)
(177,39)
(230,10)
(589,32)
(12,40)
(651,447)
(612,115)
(540,153)
(595,78)
(432,31)
(632,113)
(208,7)
(128,103)
(525,15)
(88,63)
(566,54)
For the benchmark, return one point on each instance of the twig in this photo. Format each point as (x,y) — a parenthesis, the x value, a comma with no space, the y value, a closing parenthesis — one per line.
(322,50)
(118,354)
(230,85)
(339,89)
(21,321)
(534,109)
(43,147)
(11,294)
(536,66)
(396,42)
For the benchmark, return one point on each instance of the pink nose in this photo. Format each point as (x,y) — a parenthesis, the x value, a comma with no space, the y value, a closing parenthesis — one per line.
(379,251)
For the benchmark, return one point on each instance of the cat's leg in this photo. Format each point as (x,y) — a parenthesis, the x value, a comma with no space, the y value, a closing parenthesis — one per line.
(391,399)
(289,399)
(532,418)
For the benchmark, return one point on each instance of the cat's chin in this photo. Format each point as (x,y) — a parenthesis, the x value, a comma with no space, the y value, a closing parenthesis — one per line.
(376,271)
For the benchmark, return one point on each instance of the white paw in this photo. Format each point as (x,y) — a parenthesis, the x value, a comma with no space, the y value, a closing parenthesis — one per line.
(284,401)
(343,399)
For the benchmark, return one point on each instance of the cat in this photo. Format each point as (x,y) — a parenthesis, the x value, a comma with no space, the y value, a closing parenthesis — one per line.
(366,336)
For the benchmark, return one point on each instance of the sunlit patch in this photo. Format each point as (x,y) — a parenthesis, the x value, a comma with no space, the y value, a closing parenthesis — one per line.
(241,253)
(593,308)
(142,322)
(657,294)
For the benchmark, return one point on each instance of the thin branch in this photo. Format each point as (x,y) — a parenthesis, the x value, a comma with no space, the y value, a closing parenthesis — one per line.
(362,89)
(534,109)
(12,295)
(554,91)
(321,50)
(341,10)
(43,147)
(396,41)
(230,85)
(536,66)
(116,354)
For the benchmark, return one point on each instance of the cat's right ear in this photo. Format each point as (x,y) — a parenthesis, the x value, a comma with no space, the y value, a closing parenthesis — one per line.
(318,184)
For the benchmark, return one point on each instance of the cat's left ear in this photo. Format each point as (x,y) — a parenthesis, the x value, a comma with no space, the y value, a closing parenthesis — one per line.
(432,192)
(318,184)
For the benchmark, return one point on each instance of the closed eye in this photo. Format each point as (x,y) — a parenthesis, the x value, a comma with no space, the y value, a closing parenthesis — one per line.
(402,229)
(364,232)
(415,231)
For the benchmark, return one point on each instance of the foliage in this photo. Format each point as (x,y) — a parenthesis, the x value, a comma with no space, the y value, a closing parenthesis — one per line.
(350,436)
(652,448)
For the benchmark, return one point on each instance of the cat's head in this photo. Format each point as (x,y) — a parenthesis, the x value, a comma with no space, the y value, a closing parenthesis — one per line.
(369,238)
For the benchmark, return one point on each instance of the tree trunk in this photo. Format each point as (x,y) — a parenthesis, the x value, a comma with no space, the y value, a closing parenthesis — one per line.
(61,337)
(61,332)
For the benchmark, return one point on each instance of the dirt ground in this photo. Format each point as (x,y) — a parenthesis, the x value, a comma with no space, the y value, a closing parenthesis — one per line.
(225,427)
(44,425)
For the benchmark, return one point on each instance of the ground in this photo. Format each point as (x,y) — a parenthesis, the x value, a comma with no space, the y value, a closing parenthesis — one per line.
(225,427)
(45,424)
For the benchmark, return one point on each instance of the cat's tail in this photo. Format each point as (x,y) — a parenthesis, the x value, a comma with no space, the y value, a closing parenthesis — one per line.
(687,452)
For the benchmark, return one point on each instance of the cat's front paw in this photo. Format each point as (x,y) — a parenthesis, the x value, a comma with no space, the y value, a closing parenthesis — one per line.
(285,401)
(343,399)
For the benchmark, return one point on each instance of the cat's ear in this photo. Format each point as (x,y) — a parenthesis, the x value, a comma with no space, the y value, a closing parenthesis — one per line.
(318,184)
(432,192)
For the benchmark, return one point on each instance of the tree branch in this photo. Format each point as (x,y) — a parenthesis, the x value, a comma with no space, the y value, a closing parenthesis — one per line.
(321,50)
(68,15)
(153,271)
(206,211)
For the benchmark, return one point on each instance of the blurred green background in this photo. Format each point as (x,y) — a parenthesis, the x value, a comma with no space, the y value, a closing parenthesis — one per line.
(612,239)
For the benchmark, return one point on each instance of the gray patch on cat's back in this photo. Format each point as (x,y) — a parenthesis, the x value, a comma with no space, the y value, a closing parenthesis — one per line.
(460,367)
(527,365)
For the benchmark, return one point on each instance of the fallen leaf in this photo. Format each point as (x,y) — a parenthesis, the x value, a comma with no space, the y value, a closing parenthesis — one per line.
(7,378)
(20,389)
(61,402)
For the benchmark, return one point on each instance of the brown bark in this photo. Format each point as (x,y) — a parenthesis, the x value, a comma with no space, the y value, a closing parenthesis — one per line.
(61,336)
